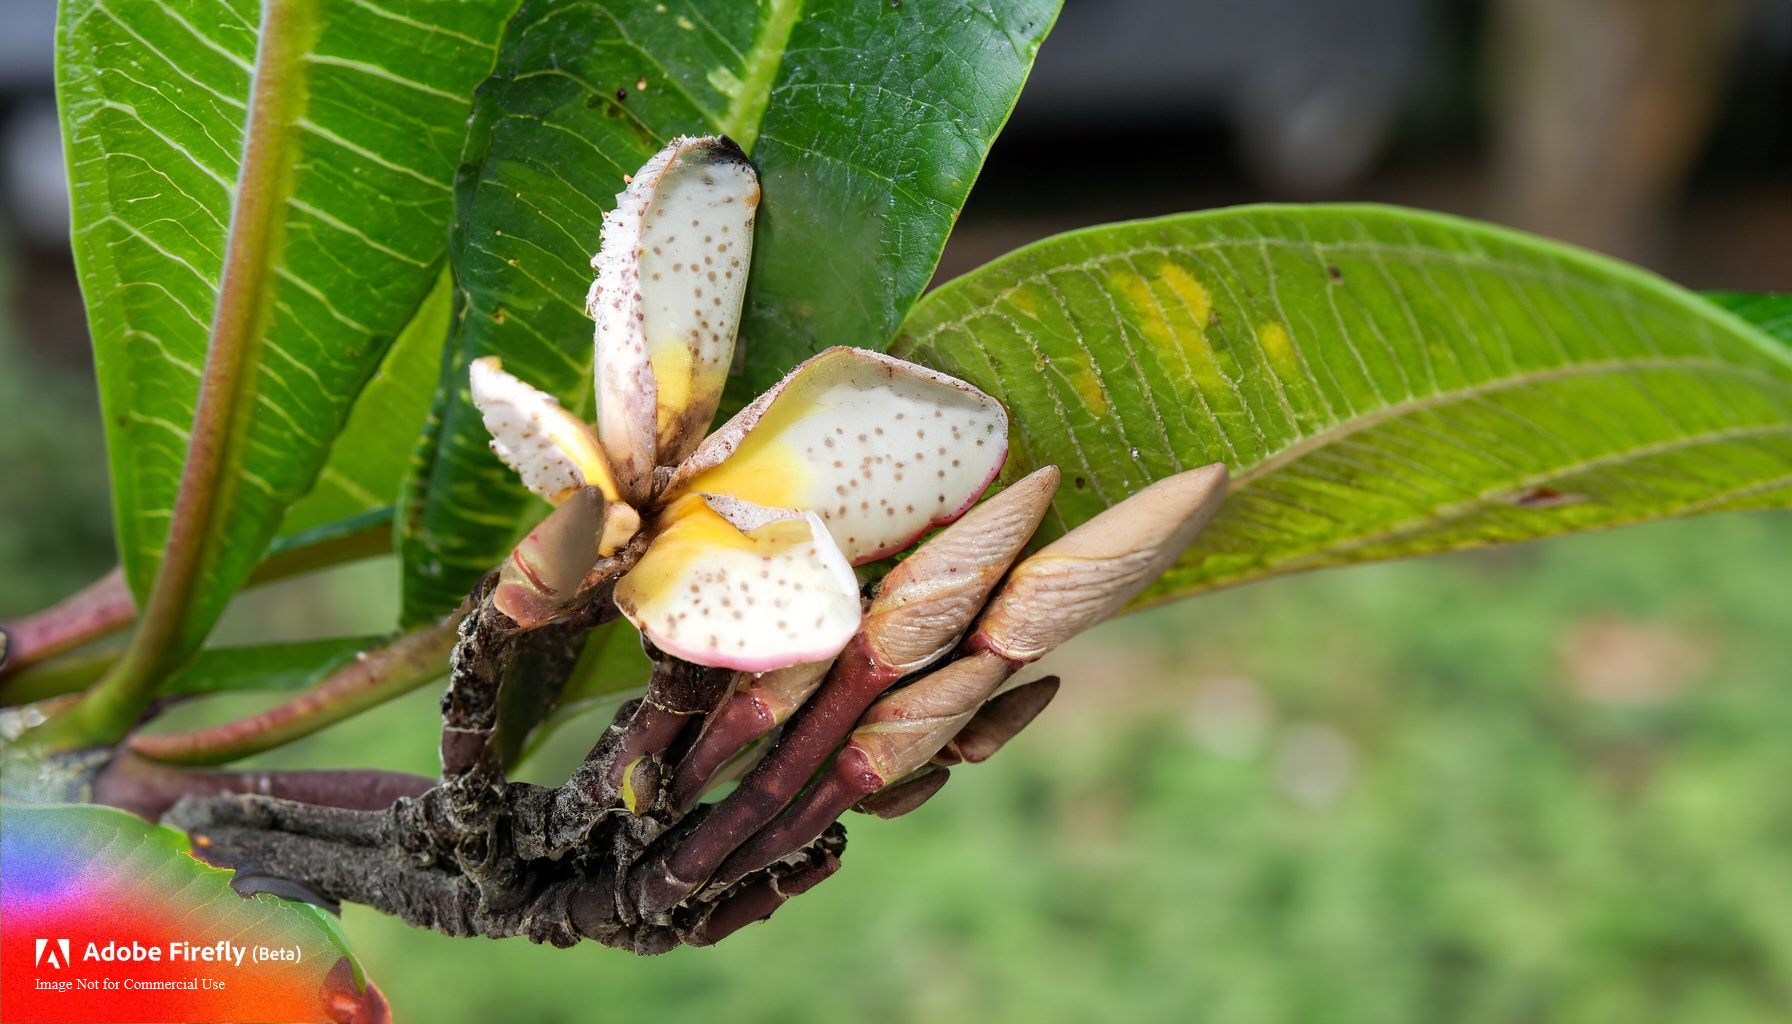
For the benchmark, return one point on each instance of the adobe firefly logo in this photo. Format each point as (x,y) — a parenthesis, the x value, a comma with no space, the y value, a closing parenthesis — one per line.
(53,953)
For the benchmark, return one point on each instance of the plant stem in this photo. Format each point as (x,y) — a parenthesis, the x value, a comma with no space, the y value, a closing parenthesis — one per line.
(93,611)
(150,789)
(105,606)
(374,677)
(813,733)
(163,637)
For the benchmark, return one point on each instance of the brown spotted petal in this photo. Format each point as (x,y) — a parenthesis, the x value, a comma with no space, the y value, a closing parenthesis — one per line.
(732,585)
(880,449)
(553,451)
(671,275)
(1091,572)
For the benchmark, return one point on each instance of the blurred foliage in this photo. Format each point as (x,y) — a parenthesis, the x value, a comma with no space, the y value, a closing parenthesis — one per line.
(49,500)
(1529,784)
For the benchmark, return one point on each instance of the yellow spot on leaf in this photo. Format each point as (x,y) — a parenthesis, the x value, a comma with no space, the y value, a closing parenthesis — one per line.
(1025,300)
(1188,291)
(1088,387)
(1279,347)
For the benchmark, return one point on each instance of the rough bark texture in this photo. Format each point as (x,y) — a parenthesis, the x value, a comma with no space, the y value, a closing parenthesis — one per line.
(477,854)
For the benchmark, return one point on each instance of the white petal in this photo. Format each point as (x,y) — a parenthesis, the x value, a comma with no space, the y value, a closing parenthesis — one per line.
(881,449)
(553,451)
(671,275)
(775,595)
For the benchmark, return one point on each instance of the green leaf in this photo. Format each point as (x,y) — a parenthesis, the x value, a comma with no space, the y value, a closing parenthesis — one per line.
(1771,313)
(274,666)
(354,129)
(1382,383)
(879,122)
(868,122)
(372,455)
(74,871)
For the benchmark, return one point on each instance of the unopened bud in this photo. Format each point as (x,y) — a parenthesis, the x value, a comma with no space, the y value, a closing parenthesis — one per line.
(780,692)
(545,570)
(1094,570)
(925,603)
(902,731)
(905,796)
(998,721)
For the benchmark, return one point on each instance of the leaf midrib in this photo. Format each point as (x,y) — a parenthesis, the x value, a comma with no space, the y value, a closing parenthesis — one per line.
(233,349)
(1369,420)
(760,66)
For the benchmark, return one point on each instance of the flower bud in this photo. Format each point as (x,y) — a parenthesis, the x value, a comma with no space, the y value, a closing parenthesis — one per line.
(1000,719)
(1094,570)
(896,800)
(926,602)
(903,730)
(545,570)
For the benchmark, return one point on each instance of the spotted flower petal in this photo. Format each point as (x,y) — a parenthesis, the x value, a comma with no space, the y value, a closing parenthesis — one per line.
(880,449)
(734,585)
(671,274)
(553,451)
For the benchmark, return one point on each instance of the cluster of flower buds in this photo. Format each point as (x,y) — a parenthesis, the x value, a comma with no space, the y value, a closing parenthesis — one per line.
(735,553)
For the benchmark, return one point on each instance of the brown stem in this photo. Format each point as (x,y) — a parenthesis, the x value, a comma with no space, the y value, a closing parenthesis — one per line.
(759,900)
(89,613)
(105,606)
(150,789)
(813,734)
(374,677)
(742,720)
(849,780)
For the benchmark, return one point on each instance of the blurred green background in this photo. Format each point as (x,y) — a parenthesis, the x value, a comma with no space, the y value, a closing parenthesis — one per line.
(1546,783)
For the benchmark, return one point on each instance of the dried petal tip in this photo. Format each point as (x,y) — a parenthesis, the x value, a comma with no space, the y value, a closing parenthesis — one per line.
(671,274)
(553,451)
(545,570)
(926,602)
(1094,570)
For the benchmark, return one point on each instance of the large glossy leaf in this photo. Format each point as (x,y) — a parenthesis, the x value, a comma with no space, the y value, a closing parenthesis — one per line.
(868,122)
(83,874)
(371,457)
(1383,383)
(1772,313)
(355,159)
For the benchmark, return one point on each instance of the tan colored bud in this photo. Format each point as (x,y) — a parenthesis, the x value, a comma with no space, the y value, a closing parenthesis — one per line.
(781,691)
(1094,570)
(999,720)
(902,731)
(925,603)
(545,570)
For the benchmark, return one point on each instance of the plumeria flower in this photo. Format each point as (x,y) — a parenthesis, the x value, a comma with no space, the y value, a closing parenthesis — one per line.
(752,531)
